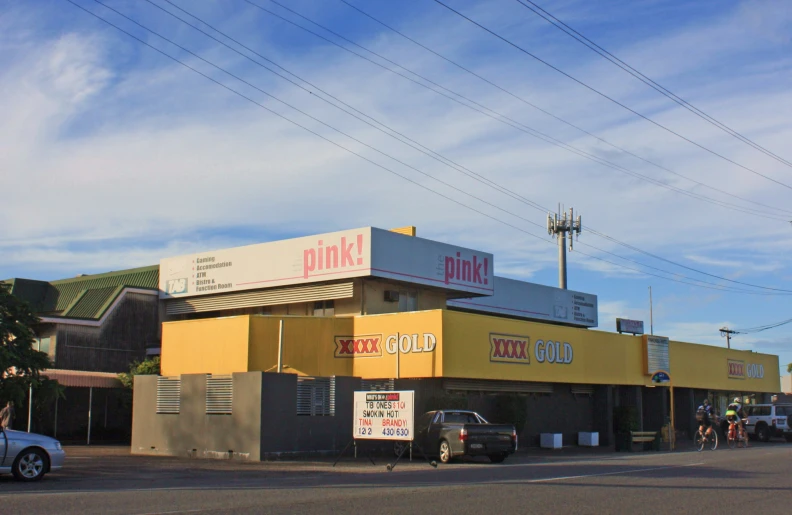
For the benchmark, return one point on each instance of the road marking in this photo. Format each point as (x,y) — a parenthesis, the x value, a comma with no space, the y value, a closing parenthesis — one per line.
(561,478)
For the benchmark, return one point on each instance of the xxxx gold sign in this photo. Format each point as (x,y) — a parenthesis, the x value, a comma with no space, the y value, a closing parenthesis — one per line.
(509,348)
(736,369)
(363,346)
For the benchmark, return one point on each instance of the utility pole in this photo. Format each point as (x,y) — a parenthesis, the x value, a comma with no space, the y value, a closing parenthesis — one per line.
(651,313)
(725,331)
(559,225)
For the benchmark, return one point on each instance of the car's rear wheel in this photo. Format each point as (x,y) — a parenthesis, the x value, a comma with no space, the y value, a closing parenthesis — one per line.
(763,433)
(445,452)
(497,458)
(30,465)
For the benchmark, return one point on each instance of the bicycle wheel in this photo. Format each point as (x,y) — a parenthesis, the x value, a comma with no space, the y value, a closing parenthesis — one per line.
(732,441)
(700,439)
(713,440)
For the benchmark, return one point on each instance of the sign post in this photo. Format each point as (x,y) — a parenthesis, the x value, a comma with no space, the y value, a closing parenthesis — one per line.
(663,378)
(385,416)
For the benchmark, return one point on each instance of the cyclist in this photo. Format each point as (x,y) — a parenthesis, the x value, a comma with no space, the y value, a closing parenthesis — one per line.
(704,416)
(736,413)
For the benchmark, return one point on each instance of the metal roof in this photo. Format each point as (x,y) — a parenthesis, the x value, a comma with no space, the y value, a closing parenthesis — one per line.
(85,296)
(77,378)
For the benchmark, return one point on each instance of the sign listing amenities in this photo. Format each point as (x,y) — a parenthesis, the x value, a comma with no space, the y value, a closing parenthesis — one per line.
(384,415)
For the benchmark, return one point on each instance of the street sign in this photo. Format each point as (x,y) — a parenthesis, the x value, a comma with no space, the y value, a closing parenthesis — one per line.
(661,377)
(384,415)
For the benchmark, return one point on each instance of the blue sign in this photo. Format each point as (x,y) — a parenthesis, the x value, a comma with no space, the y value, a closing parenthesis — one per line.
(661,377)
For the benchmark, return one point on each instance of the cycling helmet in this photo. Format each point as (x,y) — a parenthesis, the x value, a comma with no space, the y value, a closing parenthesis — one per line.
(705,402)
(737,400)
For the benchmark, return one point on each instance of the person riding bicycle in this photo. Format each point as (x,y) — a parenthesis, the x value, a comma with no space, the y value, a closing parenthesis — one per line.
(736,414)
(704,416)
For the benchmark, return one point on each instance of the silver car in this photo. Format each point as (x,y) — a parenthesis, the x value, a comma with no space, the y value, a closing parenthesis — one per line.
(29,456)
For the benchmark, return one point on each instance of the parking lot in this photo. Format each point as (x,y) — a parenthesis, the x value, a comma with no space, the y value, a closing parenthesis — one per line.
(110,481)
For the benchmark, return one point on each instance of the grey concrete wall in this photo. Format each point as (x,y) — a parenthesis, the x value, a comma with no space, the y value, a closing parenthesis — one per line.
(603,414)
(284,432)
(193,433)
(264,421)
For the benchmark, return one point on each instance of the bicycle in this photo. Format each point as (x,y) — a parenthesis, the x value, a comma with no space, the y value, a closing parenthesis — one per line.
(736,436)
(704,436)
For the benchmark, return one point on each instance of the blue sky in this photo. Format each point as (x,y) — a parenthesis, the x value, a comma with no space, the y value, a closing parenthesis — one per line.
(116,156)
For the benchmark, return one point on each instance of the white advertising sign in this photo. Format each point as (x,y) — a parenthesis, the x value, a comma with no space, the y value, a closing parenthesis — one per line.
(624,325)
(384,415)
(536,301)
(326,257)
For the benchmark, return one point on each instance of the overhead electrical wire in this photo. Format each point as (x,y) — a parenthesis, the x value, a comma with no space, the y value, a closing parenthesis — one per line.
(429,152)
(495,115)
(560,25)
(715,287)
(611,99)
(762,328)
(548,113)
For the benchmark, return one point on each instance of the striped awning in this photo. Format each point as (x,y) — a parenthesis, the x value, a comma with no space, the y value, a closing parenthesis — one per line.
(80,379)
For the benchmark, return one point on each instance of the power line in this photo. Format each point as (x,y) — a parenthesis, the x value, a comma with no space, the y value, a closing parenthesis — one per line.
(560,25)
(715,287)
(762,328)
(455,166)
(499,116)
(613,100)
(548,113)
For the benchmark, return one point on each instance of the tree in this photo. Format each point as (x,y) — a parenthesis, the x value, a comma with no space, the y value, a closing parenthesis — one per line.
(20,363)
(789,368)
(145,367)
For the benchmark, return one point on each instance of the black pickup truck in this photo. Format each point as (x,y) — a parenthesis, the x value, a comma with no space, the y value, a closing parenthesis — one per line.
(450,434)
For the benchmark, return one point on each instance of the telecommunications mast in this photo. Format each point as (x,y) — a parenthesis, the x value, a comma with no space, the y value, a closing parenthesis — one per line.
(559,225)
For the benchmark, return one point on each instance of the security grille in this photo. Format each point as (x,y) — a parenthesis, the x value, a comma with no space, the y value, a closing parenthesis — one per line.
(316,396)
(472,385)
(582,389)
(219,395)
(377,385)
(168,395)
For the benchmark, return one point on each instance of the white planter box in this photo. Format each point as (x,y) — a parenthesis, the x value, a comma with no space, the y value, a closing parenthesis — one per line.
(588,439)
(550,440)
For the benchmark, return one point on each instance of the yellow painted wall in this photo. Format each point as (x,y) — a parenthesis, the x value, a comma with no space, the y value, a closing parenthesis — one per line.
(463,349)
(598,357)
(706,367)
(214,345)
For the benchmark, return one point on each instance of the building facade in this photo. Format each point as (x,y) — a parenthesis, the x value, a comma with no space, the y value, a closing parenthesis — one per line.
(316,318)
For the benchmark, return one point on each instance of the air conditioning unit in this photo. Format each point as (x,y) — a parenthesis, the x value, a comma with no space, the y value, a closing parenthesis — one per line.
(391,296)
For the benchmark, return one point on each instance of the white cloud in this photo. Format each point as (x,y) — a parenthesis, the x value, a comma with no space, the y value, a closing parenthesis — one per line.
(117,156)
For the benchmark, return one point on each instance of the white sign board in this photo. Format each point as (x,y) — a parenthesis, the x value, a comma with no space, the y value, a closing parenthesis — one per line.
(656,354)
(624,325)
(535,301)
(326,257)
(384,415)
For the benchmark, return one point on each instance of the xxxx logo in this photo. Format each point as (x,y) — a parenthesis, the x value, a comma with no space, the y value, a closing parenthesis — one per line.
(364,346)
(507,348)
(736,369)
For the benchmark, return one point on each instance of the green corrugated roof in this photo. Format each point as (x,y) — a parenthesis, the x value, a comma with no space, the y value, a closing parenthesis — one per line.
(91,302)
(86,296)
(66,290)
(29,290)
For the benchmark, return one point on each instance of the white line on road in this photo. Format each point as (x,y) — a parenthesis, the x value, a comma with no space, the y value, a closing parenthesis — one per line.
(561,478)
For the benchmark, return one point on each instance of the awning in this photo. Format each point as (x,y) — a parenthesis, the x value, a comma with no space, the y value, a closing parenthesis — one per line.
(80,379)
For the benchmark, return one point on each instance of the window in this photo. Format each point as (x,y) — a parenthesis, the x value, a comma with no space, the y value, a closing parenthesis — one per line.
(407,301)
(43,345)
(168,395)
(324,308)
(316,396)
(219,395)
(781,411)
(460,418)
(424,421)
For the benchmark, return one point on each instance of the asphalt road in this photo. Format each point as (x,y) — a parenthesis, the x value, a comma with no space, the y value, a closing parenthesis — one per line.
(724,481)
